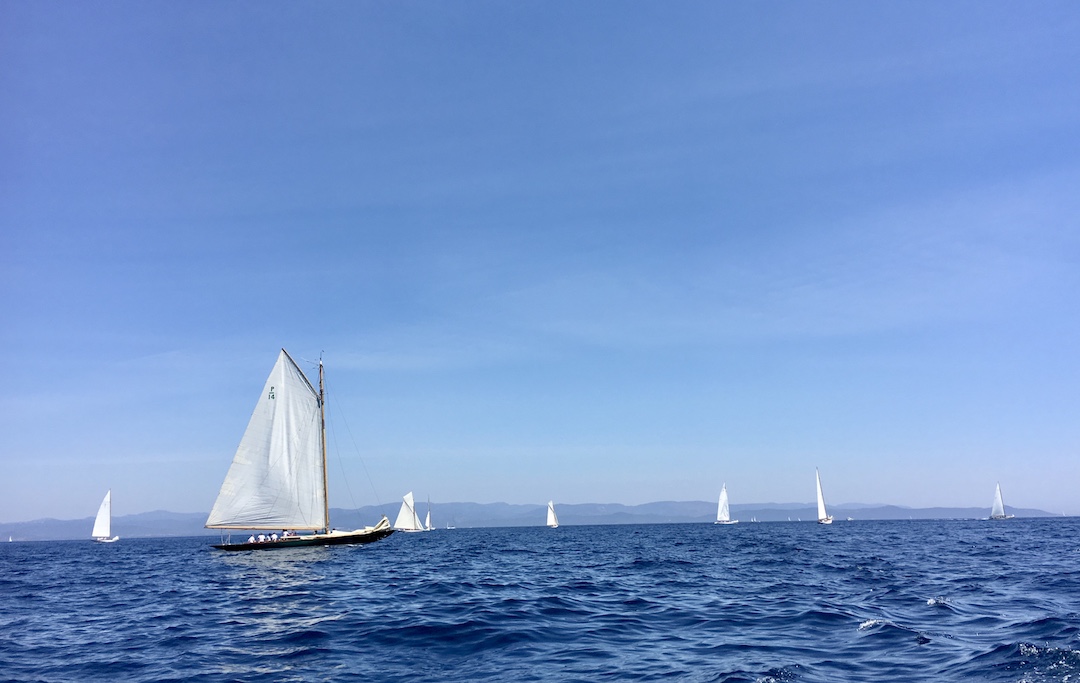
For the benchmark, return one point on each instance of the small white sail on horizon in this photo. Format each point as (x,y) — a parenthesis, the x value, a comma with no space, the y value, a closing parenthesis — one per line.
(552,518)
(723,511)
(427,521)
(102,532)
(407,519)
(998,509)
(822,516)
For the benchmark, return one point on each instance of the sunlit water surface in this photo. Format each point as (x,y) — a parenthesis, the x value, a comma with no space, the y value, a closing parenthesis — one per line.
(855,601)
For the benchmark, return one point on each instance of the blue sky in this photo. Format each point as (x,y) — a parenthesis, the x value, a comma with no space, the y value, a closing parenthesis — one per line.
(590,252)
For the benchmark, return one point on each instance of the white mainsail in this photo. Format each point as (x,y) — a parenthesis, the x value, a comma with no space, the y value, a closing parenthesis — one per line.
(427,521)
(277,478)
(822,516)
(103,522)
(998,510)
(407,519)
(552,519)
(723,512)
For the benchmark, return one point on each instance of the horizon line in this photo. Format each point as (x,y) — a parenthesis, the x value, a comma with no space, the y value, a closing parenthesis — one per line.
(794,505)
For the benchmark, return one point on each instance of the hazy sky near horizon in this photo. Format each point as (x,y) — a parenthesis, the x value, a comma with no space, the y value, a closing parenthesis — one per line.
(581,251)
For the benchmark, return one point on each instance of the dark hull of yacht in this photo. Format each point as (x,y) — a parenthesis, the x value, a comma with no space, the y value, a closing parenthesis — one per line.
(333,538)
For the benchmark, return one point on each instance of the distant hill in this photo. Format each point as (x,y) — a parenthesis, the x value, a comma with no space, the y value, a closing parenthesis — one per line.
(464,515)
(145,524)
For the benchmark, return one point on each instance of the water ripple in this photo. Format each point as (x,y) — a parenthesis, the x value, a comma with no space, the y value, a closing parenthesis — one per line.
(865,601)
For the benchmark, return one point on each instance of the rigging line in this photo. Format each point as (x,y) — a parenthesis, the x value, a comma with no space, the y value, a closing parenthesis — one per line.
(340,462)
(326,402)
(356,447)
(337,449)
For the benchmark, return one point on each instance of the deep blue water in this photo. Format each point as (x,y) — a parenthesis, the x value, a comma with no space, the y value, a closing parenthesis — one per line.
(857,601)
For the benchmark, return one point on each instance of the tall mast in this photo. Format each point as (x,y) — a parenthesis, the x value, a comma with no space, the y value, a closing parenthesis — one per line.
(322,426)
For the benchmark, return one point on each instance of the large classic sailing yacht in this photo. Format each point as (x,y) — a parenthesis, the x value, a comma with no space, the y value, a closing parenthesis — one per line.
(277,480)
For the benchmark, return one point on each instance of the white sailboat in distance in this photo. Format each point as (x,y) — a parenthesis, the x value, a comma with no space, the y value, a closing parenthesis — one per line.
(407,519)
(277,480)
(822,516)
(998,510)
(102,532)
(552,518)
(427,521)
(723,512)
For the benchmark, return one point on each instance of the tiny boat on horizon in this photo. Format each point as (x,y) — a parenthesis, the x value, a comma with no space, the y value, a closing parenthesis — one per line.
(822,516)
(552,518)
(998,509)
(723,511)
(102,532)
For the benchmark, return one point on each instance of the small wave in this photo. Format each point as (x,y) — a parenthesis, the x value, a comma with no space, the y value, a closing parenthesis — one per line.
(937,601)
(884,628)
(777,676)
(1049,628)
(1035,663)
(1054,656)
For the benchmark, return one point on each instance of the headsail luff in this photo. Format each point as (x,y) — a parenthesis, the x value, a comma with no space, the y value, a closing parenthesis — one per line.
(277,479)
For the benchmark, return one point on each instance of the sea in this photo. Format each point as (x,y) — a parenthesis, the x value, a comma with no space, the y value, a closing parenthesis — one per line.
(923,600)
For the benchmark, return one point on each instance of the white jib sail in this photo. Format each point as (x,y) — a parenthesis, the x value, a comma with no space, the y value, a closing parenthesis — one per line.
(552,519)
(427,522)
(723,513)
(276,477)
(821,514)
(407,520)
(103,521)
(999,507)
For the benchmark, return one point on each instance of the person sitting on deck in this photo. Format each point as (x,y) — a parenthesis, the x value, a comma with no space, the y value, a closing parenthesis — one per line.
(273,537)
(262,538)
(251,538)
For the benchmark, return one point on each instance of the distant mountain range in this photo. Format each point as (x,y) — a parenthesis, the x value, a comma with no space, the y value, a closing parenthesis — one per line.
(464,515)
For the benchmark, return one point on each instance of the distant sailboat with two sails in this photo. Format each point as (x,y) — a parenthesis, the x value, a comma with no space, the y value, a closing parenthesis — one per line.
(278,480)
(822,516)
(552,518)
(102,532)
(407,519)
(998,509)
(723,511)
